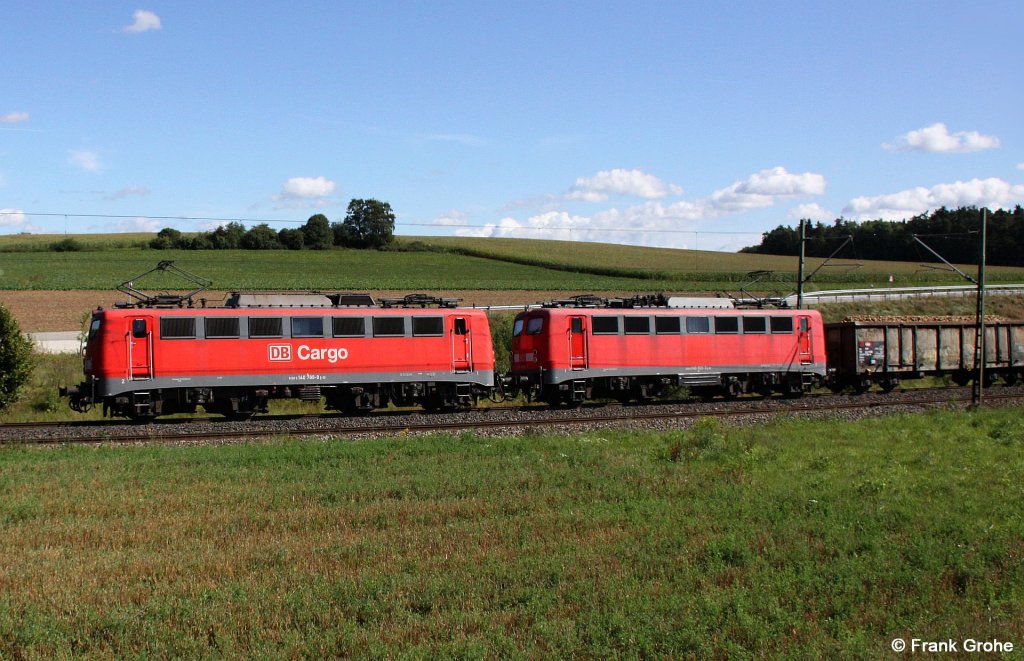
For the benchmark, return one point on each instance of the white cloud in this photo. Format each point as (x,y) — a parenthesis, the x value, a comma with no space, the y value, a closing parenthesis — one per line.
(85,160)
(128,191)
(453,218)
(761,189)
(656,223)
(633,183)
(993,193)
(138,224)
(812,211)
(14,118)
(937,139)
(1020,166)
(11,217)
(144,22)
(306,192)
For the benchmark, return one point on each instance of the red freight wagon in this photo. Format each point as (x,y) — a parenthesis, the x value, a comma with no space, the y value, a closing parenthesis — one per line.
(569,354)
(145,362)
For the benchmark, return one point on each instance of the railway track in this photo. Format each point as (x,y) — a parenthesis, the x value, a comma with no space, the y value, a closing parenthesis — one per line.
(499,420)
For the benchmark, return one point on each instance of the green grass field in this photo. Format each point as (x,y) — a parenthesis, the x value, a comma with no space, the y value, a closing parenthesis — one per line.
(437,263)
(791,539)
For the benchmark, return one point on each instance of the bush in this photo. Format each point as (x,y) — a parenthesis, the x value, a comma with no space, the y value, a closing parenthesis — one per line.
(15,359)
(66,245)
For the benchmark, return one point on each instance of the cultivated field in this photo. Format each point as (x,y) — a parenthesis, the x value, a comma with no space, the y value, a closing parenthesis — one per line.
(716,542)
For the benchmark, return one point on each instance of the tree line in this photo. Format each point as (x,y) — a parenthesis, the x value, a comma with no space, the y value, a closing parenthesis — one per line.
(951,233)
(367,224)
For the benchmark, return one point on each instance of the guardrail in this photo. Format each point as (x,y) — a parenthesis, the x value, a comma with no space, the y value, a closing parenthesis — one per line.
(897,293)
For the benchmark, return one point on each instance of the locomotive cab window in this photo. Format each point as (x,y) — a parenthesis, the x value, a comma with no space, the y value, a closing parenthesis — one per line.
(666,325)
(266,327)
(175,328)
(461,328)
(605,325)
(222,327)
(576,325)
(307,326)
(348,327)
(94,328)
(782,324)
(727,325)
(636,325)
(388,326)
(698,325)
(428,326)
(755,325)
(534,325)
(139,329)
(517,327)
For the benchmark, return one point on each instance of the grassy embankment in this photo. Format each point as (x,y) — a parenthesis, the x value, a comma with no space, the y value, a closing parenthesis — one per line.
(714,542)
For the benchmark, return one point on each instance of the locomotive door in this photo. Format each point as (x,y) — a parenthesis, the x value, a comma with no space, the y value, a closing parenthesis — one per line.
(578,343)
(462,345)
(140,349)
(805,347)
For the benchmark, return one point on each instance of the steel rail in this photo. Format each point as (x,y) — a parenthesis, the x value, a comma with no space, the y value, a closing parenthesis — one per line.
(172,433)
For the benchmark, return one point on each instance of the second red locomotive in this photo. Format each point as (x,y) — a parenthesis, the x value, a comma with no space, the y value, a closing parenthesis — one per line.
(633,349)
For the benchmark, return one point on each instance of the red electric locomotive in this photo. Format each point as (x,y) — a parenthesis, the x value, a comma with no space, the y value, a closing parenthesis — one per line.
(150,361)
(632,349)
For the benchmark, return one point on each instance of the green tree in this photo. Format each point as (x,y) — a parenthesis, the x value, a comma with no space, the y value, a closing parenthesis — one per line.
(228,237)
(166,239)
(15,359)
(261,237)
(368,224)
(292,239)
(317,232)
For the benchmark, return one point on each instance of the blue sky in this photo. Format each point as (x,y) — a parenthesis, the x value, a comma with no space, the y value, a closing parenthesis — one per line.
(680,124)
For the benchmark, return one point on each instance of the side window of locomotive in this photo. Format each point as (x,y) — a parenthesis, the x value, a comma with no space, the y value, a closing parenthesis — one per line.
(727,325)
(782,325)
(576,325)
(348,327)
(636,325)
(697,325)
(667,325)
(517,327)
(534,325)
(307,326)
(174,328)
(94,328)
(222,327)
(461,328)
(756,325)
(605,325)
(388,326)
(266,327)
(428,326)
(139,330)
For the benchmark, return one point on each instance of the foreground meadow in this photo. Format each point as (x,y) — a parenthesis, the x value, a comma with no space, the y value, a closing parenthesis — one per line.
(795,538)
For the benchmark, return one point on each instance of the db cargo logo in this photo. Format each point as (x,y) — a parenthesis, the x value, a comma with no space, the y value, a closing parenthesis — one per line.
(280,352)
